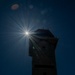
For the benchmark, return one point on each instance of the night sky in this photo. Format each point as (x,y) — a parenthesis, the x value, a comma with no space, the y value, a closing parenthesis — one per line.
(16,16)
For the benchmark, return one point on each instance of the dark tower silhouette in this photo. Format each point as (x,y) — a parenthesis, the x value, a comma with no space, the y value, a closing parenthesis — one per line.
(42,44)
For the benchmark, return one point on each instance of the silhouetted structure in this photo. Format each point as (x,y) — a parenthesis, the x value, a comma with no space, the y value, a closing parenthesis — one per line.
(42,46)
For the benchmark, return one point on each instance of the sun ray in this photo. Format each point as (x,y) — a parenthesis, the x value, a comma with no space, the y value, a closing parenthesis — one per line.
(42,54)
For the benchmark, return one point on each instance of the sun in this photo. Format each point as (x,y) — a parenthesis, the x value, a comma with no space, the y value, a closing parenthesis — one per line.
(26,33)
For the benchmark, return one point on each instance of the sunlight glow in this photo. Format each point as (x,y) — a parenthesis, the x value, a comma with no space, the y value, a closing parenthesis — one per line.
(26,33)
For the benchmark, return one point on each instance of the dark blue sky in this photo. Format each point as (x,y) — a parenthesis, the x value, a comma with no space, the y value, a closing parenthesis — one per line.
(56,15)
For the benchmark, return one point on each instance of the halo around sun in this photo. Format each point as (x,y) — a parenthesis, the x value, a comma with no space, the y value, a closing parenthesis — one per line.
(26,33)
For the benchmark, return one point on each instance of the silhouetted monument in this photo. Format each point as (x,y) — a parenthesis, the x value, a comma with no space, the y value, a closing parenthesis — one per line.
(42,44)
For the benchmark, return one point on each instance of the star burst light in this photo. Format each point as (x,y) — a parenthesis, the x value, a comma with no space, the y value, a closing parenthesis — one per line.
(23,24)
(26,33)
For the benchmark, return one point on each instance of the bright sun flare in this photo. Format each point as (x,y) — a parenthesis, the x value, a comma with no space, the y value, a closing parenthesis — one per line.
(27,33)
